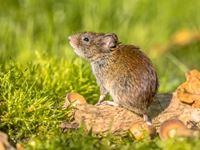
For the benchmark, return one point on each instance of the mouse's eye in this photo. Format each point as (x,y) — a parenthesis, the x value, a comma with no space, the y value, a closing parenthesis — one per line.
(86,39)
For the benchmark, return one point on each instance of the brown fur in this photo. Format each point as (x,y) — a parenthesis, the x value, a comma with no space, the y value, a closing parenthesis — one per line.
(121,70)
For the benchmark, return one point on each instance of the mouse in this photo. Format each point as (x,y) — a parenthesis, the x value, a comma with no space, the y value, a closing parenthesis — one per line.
(121,70)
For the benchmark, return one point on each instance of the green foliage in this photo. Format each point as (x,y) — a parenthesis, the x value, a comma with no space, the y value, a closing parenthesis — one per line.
(32,96)
(80,140)
(38,67)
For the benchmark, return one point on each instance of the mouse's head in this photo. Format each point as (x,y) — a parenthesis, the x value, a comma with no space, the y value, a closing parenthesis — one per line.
(90,45)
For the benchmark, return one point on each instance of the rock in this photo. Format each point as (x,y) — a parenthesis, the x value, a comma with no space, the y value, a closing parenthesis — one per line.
(102,119)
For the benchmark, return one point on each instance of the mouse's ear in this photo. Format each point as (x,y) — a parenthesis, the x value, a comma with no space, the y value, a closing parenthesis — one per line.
(110,40)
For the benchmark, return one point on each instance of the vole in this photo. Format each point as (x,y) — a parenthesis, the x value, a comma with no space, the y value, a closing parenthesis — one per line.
(123,71)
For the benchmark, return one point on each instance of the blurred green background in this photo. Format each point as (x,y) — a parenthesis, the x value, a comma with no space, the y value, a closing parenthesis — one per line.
(30,26)
(37,65)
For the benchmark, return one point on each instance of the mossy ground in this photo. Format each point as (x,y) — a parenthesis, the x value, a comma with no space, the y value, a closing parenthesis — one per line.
(38,67)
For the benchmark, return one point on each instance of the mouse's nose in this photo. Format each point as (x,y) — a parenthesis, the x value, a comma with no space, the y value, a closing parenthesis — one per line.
(73,40)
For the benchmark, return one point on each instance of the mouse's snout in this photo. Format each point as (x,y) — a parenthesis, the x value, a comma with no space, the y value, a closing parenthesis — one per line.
(73,40)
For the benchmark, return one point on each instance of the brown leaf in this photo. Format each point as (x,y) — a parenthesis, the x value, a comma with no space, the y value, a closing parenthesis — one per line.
(189,91)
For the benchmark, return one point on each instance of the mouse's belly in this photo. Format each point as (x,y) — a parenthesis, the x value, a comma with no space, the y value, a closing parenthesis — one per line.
(131,94)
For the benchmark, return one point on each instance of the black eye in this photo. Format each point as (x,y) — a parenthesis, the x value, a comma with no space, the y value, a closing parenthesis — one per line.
(86,39)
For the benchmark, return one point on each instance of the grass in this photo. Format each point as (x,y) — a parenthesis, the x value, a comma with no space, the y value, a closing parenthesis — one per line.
(38,67)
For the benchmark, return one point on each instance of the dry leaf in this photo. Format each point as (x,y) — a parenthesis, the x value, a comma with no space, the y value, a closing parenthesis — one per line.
(189,91)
